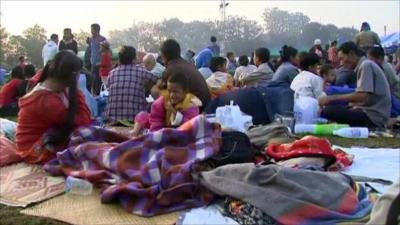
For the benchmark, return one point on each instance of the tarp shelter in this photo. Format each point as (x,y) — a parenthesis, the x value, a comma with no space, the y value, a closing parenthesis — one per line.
(391,42)
(390,39)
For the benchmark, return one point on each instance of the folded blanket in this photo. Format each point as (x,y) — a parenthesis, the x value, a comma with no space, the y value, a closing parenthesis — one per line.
(291,196)
(147,175)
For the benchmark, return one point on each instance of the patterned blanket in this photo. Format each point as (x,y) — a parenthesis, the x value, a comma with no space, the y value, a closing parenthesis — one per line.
(147,175)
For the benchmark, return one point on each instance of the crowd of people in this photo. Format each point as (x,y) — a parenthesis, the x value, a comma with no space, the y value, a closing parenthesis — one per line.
(354,84)
(67,111)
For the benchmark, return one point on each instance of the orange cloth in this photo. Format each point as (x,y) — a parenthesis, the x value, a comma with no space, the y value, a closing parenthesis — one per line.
(219,83)
(40,111)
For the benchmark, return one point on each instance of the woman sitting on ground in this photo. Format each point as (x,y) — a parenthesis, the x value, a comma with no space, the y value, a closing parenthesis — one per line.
(308,83)
(51,111)
(9,93)
(174,107)
(220,82)
(288,70)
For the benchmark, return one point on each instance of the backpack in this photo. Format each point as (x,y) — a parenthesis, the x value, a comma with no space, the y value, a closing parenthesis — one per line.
(262,135)
(236,148)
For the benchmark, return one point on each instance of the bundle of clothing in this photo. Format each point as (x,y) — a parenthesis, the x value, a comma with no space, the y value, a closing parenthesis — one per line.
(148,175)
(273,194)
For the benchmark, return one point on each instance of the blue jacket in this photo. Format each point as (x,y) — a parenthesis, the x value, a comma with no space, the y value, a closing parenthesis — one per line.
(203,58)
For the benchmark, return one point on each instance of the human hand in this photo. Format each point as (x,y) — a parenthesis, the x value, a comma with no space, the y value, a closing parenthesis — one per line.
(324,100)
(170,107)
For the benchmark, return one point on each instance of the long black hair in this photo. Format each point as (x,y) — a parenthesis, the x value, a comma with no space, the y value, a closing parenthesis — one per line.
(64,68)
(287,52)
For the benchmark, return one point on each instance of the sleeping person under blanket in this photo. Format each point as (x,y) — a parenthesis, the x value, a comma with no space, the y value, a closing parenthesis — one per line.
(174,107)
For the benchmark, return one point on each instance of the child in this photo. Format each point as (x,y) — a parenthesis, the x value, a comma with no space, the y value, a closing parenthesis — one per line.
(328,74)
(9,93)
(174,107)
(308,83)
(232,65)
(106,61)
(220,81)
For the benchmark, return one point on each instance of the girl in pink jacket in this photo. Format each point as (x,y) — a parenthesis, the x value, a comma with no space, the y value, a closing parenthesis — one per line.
(174,107)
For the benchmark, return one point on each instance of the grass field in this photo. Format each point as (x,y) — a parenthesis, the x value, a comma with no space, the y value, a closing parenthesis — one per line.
(11,215)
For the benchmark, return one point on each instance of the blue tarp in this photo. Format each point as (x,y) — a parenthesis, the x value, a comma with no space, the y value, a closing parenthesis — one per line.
(391,39)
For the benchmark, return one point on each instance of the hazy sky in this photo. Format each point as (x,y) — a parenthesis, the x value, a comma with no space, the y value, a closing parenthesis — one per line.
(55,15)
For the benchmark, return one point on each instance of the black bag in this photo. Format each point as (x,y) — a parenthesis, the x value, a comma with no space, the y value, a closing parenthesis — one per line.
(236,148)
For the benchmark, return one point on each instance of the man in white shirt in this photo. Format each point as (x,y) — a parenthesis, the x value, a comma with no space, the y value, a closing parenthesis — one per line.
(152,65)
(50,49)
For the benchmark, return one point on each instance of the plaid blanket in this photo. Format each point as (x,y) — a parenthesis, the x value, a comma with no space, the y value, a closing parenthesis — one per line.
(147,175)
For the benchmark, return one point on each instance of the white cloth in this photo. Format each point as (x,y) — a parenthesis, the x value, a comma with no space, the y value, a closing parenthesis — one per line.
(307,84)
(205,72)
(49,50)
(243,71)
(158,70)
(383,163)
(209,215)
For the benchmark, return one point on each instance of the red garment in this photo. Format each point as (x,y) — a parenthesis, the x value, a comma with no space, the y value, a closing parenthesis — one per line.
(310,146)
(40,111)
(35,79)
(8,93)
(333,56)
(105,63)
(22,65)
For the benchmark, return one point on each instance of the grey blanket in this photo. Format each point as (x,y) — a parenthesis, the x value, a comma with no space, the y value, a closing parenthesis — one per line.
(276,190)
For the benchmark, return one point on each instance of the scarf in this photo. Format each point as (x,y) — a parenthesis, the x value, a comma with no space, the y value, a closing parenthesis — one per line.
(189,101)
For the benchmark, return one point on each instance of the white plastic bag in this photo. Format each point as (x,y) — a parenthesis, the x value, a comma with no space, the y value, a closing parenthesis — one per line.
(7,128)
(305,110)
(230,117)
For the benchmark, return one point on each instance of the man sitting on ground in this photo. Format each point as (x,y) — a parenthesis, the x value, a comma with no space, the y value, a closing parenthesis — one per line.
(370,103)
(126,85)
(171,54)
(152,65)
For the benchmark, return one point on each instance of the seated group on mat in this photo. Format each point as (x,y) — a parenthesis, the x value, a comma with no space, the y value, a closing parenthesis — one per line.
(57,113)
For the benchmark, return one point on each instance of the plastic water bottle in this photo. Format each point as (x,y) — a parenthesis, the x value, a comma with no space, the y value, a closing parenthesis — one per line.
(78,186)
(352,132)
(318,129)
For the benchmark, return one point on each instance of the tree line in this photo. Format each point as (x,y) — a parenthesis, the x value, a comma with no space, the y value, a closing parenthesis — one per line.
(236,34)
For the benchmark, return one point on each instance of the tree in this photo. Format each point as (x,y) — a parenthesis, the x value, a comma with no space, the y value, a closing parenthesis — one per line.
(3,44)
(346,34)
(241,35)
(34,39)
(196,35)
(81,39)
(279,21)
(15,48)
